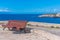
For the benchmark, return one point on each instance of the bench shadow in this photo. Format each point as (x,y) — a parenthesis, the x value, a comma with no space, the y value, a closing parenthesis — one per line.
(21,31)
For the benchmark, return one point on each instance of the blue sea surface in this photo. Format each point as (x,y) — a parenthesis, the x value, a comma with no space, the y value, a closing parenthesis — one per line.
(29,17)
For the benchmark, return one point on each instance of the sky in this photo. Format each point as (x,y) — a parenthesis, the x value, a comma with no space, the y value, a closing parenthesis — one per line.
(29,6)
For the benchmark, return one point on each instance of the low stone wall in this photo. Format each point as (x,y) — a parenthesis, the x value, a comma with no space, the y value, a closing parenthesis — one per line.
(40,24)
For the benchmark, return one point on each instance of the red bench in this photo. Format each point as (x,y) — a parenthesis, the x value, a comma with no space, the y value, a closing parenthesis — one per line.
(15,23)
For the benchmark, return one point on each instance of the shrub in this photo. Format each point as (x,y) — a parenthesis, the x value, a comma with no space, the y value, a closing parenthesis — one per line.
(52,27)
(57,27)
(29,24)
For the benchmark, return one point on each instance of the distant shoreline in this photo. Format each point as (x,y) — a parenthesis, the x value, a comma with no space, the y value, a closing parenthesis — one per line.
(50,15)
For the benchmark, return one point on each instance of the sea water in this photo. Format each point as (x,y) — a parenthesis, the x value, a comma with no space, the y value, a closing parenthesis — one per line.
(29,17)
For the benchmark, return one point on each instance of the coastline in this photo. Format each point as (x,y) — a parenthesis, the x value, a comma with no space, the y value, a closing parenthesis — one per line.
(38,24)
(50,15)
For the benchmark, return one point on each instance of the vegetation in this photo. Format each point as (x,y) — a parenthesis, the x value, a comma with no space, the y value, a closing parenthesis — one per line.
(57,27)
(52,27)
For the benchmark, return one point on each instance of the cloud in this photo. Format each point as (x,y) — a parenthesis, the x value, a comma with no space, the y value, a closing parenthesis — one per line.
(4,10)
(53,10)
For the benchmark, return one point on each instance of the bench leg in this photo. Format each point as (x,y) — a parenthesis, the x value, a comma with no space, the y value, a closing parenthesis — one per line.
(4,28)
(26,30)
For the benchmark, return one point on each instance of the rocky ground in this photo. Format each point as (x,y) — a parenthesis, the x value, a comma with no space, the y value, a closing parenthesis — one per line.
(35,34)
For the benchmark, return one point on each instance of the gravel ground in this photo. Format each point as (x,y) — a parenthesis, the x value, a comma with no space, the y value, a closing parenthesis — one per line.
(35,34)
(50,30)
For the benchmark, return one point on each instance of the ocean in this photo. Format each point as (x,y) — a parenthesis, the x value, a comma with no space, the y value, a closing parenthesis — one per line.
(28,17)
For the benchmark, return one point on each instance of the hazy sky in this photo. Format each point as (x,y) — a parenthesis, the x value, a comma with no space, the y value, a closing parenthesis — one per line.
(22,6)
